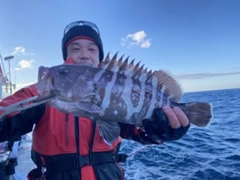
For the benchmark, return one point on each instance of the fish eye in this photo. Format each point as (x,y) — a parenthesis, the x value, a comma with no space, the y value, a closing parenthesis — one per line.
(62,70)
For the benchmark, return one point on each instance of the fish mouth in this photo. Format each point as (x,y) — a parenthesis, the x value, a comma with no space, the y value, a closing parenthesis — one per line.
(45,82)
(44,89)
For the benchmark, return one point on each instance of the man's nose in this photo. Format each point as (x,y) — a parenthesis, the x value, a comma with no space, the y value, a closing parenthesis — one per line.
(84,54)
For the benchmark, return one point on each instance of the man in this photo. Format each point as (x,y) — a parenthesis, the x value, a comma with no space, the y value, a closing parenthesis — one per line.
(68,147)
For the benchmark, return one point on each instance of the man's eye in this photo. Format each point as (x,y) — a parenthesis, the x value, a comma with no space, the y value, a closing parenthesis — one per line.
(92,49)
(62,70)
(76,49)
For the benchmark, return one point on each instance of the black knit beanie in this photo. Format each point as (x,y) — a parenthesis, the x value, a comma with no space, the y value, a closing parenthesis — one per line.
(82,31)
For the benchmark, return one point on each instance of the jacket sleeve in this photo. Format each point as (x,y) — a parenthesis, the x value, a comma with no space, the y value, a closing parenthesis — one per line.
(22,94)
(22,122)
(134,133)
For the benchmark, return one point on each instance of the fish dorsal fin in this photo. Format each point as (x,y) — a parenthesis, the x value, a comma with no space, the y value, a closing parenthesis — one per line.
(131,65)
(149,76)
(136,69)
(120,61)
(165,80)
(113,63)
(124,65)
(105,62)
(169,83)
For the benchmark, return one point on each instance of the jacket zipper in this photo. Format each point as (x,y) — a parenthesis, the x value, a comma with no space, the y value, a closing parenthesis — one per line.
(66,130)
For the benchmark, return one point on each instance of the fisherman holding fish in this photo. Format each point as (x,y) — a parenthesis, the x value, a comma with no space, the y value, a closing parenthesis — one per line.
(65,146)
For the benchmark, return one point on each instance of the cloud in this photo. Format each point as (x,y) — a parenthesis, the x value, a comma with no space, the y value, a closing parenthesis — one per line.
(204,75)
(136,39)
(23,64)
(19,51)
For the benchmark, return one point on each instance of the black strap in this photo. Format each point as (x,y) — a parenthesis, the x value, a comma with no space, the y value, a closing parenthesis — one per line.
(1,124)
(76,162)
(121,157)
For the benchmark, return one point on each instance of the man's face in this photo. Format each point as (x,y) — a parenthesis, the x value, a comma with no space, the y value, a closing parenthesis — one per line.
(83,51)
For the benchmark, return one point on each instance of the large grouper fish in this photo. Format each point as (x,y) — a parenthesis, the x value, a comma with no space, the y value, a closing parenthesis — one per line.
(116,91)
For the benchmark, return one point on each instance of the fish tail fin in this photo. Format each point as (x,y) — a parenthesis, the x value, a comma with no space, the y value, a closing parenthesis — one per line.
(198,113)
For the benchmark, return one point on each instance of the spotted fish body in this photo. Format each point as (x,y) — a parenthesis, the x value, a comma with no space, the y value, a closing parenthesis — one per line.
(117,91)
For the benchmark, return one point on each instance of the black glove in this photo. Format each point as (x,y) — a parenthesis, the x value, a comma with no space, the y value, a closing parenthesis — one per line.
(159,127)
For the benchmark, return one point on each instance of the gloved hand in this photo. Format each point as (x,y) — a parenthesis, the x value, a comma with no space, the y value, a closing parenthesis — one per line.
(158,128)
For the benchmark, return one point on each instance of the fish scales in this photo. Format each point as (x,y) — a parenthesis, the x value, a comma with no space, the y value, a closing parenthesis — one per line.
(120,95)
(116,91)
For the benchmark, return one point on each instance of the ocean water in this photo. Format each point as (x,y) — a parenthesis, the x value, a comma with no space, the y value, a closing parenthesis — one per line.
(211,153)
(203,153)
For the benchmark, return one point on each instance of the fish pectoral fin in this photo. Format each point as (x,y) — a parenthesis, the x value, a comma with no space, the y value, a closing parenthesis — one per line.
(109,131)
(90,107)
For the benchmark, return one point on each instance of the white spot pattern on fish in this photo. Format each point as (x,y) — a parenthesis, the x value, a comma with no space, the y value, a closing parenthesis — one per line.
(117,91)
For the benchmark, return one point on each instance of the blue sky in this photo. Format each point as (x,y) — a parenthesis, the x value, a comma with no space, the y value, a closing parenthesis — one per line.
(196,40)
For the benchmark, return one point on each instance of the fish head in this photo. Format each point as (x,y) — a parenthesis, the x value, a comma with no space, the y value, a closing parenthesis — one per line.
(68,82)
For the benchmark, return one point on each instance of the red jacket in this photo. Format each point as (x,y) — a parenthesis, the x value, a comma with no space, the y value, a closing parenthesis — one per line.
(55,136)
